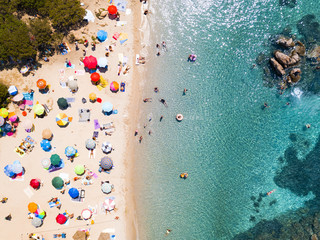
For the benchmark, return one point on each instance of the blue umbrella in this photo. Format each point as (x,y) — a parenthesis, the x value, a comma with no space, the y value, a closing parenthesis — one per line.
(106,163)
(17,167)
(8,170)
(70,151)
(73,192)
(102,35)
(7,128)
(107,107)
(45,145)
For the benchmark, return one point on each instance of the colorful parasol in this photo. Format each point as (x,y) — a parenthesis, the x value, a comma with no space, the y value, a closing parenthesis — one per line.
(61,219)
(114,86)
(62,119)
(41,83)
(35,183)
(4,112)
(86,214)
(38,109)
(112,9)
(95,77)
(32,207)
(109,204)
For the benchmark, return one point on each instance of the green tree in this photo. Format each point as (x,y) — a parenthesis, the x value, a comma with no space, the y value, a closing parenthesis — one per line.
(3,96)
(41,34)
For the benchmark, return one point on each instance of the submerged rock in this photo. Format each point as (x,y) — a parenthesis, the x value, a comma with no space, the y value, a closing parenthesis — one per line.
(295,75)
(277,67)
(285,42)
(300,49)
(314,237)
(314,52)
(282,58)
(289,3)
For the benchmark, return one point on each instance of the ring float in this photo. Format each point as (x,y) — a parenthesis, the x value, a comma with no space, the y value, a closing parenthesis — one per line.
(179,117)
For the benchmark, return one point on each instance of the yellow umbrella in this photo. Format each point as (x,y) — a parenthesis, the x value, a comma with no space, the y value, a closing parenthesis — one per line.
(38,109)
(4,112)
(62,119)
(92,96)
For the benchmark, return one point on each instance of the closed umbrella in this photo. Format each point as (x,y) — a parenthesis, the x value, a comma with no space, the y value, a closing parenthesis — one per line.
(45,145)
(45,163)
(73,192)
(112,9)
(41,83)
(106,187)
(95,77)
(106,147)
(62,103)
(114,86)
(35,183)
(46,134)
(106,163)
(4,112)
(102,35)
(57,182)
(79,169)
(90,144)
(18,97)
(36,222)
(32,207)
(90,62)
(86,214)
(70,151)
(61,219)
(1,121)
(73,85)
(107,107)
(102,62)
(92,96)
(38,109)
(62,119)
(109,204)
(55,160)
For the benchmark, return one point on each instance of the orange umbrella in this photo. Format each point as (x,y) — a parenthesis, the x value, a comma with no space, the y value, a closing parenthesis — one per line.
(32,207)
(112,9)
(41,83)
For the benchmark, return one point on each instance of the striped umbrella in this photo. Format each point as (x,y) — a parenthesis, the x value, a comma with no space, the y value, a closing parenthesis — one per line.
(90,144)
(114,86)
(70,151)
(109,204)
(106,163)
(1,121)
(4,112)
(62,119)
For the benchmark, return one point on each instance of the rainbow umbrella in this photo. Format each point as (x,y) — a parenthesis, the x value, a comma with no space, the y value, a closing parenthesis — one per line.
(41,214)
(1,121)
(38,109)
(62,119)
(4,112)
(114,86)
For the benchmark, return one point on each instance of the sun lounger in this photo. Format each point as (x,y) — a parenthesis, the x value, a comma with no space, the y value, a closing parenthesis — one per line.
(109,131)
(30,140)
(121,23)
(46,109)
(70,100)
(108,125)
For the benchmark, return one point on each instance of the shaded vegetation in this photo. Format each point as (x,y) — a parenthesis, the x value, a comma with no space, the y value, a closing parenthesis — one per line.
(4,95)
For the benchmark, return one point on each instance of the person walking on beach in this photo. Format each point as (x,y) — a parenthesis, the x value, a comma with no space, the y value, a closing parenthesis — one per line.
(77,46)
(140,139)
(136,132)
(161,117)
(168,231)
(150,132)
(84,52)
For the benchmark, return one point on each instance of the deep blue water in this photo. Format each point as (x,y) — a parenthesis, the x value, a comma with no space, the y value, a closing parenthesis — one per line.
(227,143)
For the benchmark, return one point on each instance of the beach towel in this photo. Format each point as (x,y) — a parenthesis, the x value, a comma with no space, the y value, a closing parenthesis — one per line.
(123,36)
(63,84)
(28,192)
(120,57)
(116,36)
(122,87)
(95,134)
(80,72)
(72,66)
(103,83)
(55,204)
(128,11)
(121,23)
(84,115)
(96,124)
(121,5)
(70,100)
(28,99)
(30,140)
(123,41)
(61,73)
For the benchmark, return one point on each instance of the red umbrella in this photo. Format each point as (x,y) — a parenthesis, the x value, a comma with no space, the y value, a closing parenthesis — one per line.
(90,62)
(35,183)
(112,9)
(95,77)
(61,219)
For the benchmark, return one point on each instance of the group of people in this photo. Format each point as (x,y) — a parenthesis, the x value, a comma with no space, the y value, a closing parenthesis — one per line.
(164,47)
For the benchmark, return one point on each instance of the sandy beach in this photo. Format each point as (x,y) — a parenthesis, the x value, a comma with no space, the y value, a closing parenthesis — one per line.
(121,221)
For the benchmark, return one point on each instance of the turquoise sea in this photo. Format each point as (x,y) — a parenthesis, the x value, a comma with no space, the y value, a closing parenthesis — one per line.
(233,149)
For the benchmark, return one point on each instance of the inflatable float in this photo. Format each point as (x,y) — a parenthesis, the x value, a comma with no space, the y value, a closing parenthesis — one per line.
(179,117)
(184,175)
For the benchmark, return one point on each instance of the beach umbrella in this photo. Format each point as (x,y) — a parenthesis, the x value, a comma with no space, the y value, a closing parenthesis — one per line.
(7,128)
(102,62)
(73,192)
(109,204)
(107,107)
(27,124)
(55,160)
(38,109)
(86,214)
(90,62)
(45,163)
(79,235)
(61,219)
(57,182)
(106,187)
(112,9)
(32,207)
(45,145)
(13,117)
(17,167)
(46,134)
(1,121)
(95,77)
(104,236)
(4,112)
(90,144)
(41,83)
(79,169)
(70,151)
(92,96)
(35,183)
(62,119)
(114,86)
(8,170)
(24,69)
(106,147)
(18,97)
(36,222)
(73,85)
(106,163)
(12,90)
(62,103)
(102,35)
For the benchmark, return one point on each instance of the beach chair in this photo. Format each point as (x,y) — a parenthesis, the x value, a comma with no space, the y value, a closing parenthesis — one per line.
(108,125)
(46,109)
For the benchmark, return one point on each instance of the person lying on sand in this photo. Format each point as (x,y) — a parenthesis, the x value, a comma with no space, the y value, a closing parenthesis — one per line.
(147,100)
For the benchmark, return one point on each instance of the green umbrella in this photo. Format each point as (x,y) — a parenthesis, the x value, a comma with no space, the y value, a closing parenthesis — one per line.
(55,160)
(57,182)
(79,169)
(62,103)
(38,109)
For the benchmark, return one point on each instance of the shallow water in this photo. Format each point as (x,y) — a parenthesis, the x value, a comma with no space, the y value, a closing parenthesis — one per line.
(227,142)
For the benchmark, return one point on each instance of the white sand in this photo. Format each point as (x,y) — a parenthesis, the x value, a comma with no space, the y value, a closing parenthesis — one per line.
(20,193)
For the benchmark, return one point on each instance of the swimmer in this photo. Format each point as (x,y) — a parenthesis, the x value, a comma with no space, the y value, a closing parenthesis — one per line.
(185,91)
(158,54)
(164,102)
(156,89)
(168,231)
(164,45)
(157,46)
(268,193)
(308,125)
(266,105)
(147,99)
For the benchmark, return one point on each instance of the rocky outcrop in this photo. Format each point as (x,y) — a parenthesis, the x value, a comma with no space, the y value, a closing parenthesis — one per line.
(277,66)
(285,60)
(285,42)
(300,49)
(314,237)
(314,52)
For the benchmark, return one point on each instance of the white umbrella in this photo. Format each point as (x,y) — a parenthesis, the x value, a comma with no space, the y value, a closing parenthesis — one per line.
(106,187)
(27,124)
(73,85)
(36,222)
(18,97)
(90,144)
(86,214)
(106,147)
(102,62)
(45,162)
(16,168)
(109,204)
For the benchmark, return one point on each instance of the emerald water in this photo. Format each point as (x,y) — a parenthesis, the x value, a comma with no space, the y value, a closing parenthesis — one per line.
(227,142)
